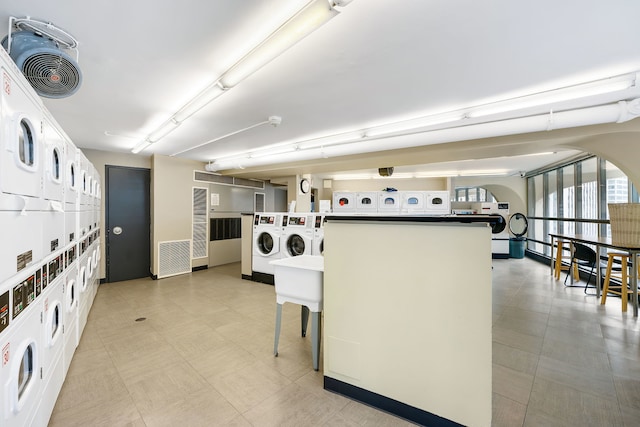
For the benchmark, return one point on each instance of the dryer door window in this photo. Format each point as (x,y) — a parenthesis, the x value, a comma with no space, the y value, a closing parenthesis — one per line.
(25,374)
(55,165)
(518,224)
(54,323)
(26,149)
(265,243)
(295,245)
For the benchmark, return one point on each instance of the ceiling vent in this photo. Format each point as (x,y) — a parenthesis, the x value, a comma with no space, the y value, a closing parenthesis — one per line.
(37,49)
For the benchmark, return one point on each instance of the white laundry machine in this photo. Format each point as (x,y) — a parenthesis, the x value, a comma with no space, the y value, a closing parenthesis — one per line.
(413,202)
(21,348)
(70,314)
(52,351)
(437,203)
(367,202)
(54,161)
(267,228)
(22,150)
(500,236)
(389,202)
(317,247)
(344,201)
(297,236)
(22,237)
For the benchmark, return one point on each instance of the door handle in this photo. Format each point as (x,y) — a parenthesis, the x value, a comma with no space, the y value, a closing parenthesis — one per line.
(117,230)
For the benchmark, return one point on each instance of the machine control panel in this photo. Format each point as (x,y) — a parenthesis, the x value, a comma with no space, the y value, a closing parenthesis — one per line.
(4,311)
(23,295)
(298,220)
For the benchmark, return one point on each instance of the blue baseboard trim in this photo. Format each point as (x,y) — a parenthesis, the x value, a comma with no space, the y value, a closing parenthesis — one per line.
(386,404)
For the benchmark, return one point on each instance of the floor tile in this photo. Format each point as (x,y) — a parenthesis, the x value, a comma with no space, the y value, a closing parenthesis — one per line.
(204,356)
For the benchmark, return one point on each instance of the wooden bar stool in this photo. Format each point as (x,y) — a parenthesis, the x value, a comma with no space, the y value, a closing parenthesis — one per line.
(612,272)
(560,255)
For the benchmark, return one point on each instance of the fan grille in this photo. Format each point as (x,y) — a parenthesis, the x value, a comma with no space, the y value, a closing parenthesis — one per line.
(52,76)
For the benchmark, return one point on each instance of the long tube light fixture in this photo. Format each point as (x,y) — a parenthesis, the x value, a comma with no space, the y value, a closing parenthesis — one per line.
(464,130)
(303,23)
(315,14)
(612,86)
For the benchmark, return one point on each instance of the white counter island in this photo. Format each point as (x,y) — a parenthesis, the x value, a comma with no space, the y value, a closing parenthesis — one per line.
(407,316)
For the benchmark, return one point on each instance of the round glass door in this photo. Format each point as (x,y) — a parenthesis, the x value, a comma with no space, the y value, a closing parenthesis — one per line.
(295,245)
(518,224)
(265,243)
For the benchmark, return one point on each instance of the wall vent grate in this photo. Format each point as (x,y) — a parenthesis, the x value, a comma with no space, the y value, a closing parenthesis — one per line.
(199,223)
(174,257)
(215,178)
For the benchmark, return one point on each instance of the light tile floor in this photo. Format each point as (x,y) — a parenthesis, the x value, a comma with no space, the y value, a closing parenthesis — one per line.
(203,357)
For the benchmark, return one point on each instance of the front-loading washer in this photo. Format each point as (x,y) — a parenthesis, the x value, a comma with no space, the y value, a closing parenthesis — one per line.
(70,314)
(21,348)
(267,228)
(52,350)
(389,202)
(317,248)
(297,236)
(344,202)
(500,235)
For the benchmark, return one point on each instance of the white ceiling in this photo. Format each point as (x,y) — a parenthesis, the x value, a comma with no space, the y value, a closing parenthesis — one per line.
(378,61)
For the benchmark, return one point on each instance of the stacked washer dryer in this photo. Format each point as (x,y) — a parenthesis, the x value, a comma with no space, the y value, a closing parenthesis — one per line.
(267,228)
(39,225)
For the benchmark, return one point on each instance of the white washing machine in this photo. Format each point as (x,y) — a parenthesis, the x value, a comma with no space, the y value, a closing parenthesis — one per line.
(389,202)
(500,236)
(297,236)
(70,314)
(21,349)
(413,202)
(437,203)
(344,201)
(52,351)
(317,248)
(267,228)
(367,202)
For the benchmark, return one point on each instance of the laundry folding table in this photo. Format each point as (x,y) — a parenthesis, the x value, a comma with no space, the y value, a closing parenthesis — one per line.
(299,280)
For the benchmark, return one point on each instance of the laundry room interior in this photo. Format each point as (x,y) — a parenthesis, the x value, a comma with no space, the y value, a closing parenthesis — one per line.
(319,212)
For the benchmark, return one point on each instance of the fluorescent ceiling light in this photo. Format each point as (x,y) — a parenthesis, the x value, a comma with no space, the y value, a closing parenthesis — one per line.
(196,104)
(303,23)
(313,16)
(330,140)
(273,152)
(413,124)
(570,93)
(141,146)
(165,129)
